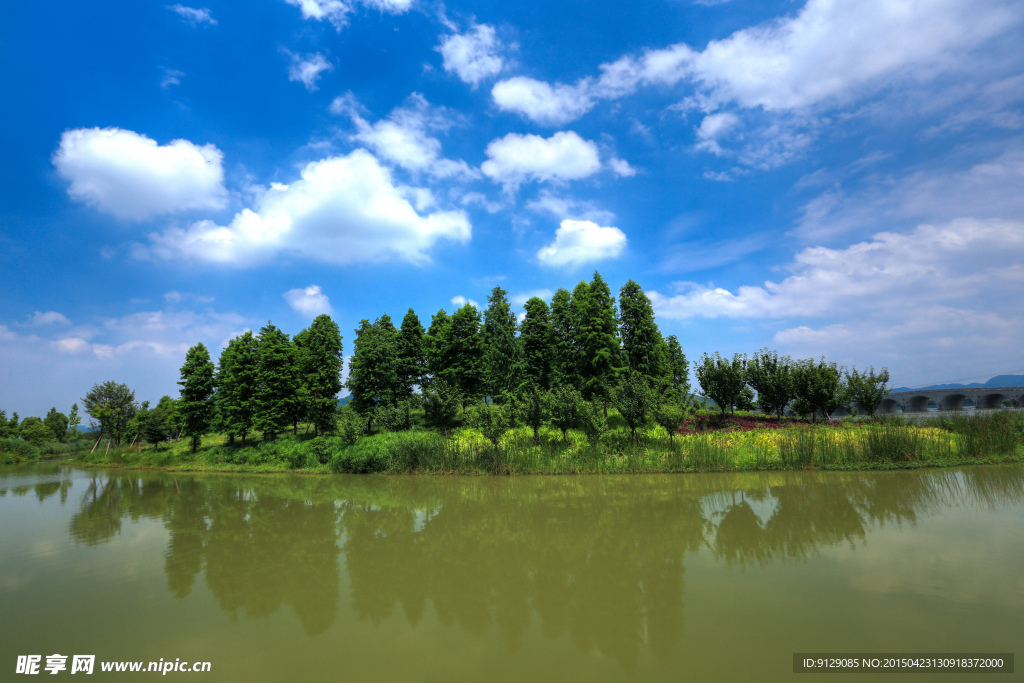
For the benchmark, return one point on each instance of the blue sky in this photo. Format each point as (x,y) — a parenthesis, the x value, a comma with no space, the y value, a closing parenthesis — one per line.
(837,178)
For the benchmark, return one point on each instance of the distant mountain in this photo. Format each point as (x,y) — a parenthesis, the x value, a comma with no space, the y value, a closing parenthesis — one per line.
(997,381)
(343,401)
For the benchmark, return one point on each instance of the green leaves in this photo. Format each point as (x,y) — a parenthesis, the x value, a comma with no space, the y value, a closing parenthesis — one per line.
(502,357)
(277,386)
(721,380)
(867,389)
(112,405)
(197,385)
(320,372)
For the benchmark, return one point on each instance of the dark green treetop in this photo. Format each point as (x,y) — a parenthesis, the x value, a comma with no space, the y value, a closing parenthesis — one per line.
(770,375)
(566,357)
(320,369)
(597,338)
(537,343)
(277,389)
(721,380)
(502,356)
(642,345)
(678,371)
(197,385)
(412,353)
(110,404)
(867,389)
(237,385)
(373,376)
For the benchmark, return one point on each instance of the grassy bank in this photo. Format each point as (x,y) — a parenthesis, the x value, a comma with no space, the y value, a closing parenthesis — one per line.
(702,445)
(14,451)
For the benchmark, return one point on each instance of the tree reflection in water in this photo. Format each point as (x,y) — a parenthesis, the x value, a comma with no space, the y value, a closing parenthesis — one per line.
(599,559)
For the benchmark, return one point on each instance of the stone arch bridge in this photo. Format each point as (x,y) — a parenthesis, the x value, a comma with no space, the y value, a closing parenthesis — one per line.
(916,400)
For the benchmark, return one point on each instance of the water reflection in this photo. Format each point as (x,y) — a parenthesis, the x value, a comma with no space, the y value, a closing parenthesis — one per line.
(597,560)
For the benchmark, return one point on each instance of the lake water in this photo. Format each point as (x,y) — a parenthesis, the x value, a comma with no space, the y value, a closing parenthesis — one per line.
(591,578)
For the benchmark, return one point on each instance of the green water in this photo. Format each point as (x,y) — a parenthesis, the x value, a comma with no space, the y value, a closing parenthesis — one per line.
(675,577)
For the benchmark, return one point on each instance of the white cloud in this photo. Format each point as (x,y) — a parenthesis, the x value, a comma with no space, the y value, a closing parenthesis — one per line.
(829,53)
(461,301)
(145,350)
(307,70)
(193,15)
(403,138)
(564,207)
(171,77)
(543,103)
(987,189)
(521,299)
(130,176)
(50,318)
(579,242)
(310,301)
(516,158)
(336,12)
(939,264)
(621,167)
(342,210)
(714,126)
(473,55)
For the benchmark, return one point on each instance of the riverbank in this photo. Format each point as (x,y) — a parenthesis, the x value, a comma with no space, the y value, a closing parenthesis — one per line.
(702,444)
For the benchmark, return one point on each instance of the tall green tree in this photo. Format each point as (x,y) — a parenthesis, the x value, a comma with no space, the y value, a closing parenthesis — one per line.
(567,358)
(56,423)
(412,353)
(771,376)
(567,408)
(818,388)
(598,338)
(73,421)
(502,359)
(237,384)
(459,353)
(431,347)
(277,390)
(320,368)
(111,405)
(721,380)
(537,344)
(373,376)
(35,431)
(197,386)
(642,344)
(867,389)
(678,371)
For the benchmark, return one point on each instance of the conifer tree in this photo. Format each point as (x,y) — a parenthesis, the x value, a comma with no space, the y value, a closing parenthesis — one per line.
(320,368)
(237,380)
(537,344)
(459,353)
(678,372)
(435,361)
(73,421)
(642,344)
(373,372)
(411,350)
(277,390)
(197,385)
(597,335)
(502,358)
(566,358)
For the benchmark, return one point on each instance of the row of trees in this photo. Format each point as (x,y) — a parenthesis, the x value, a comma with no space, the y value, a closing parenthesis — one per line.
(56,426)
(582,341)
(773,383)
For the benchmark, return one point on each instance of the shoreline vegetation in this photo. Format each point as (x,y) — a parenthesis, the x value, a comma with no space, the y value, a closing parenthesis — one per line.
(585,384)
(705,443)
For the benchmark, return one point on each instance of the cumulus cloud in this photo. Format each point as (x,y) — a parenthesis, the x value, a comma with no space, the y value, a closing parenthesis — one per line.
(307,70)
(341,210)
(950,263)
(474,55)
(130,176)
(193,15)
(829,52)
(310,301)
(552,105)
(565,207)
(404,137)
(461,301)
(49,318)
(621,167)
(713,127)
(516,158)
(579,242)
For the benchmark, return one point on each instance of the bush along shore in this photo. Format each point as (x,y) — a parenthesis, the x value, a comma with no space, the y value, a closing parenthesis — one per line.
(704,442)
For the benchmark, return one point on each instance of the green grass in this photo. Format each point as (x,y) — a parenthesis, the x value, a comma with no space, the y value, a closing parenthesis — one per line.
(882,444)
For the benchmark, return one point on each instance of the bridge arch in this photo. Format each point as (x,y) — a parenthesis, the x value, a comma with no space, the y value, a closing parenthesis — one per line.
(917,404)
(989,401)
(888,405)
(952,402)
